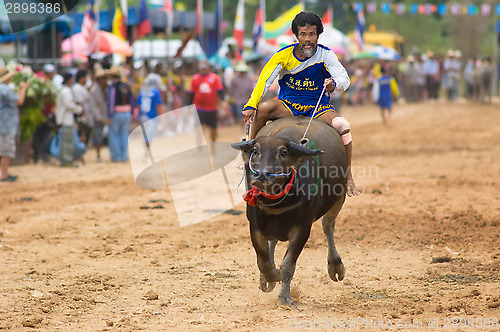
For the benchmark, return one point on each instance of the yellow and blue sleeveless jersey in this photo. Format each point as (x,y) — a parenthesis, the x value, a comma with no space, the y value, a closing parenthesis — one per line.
(300,81)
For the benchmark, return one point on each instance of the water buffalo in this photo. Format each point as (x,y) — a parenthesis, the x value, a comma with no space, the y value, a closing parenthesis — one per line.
(293,184)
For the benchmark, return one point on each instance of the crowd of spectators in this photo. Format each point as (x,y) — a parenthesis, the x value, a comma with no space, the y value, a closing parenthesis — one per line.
(96,103)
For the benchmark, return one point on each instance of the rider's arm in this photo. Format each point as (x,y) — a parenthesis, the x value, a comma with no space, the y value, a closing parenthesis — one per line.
(267,76)
(337,72)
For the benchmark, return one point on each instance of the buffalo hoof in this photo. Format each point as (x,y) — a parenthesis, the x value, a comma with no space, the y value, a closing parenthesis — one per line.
(266,286)
(336,271)
(287,302)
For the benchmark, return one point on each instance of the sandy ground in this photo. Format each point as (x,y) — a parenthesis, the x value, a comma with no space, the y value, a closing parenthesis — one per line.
(78,253)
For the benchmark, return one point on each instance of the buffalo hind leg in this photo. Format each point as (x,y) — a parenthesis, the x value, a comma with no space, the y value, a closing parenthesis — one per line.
(336,269)
(268,286)
(287,268)
(268,272)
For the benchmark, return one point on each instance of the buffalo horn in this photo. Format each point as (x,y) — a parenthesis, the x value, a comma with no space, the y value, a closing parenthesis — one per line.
(299,149)
(243,145)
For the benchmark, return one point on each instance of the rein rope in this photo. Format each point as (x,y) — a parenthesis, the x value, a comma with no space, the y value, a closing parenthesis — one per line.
(275,174)
(314,112)
(251,196)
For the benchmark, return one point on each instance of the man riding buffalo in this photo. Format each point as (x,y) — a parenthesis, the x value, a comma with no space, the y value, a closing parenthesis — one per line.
(303,69)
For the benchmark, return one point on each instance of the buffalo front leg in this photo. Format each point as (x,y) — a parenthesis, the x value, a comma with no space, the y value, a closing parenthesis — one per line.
(336,269)
(269,275)
(268,286)
(287,268)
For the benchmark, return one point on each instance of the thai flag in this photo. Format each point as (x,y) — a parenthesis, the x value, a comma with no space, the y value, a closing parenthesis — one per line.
(239,27)
(257,28)
(168,8)
(90,29)
(144,27)
(360,29)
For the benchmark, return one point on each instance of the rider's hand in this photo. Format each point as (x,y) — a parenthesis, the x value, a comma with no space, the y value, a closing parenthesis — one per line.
(248,115)
(330,84)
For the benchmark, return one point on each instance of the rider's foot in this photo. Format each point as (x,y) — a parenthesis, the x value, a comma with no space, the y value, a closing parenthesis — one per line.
(351,187)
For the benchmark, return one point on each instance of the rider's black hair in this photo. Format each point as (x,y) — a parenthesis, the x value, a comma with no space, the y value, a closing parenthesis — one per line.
(306,18)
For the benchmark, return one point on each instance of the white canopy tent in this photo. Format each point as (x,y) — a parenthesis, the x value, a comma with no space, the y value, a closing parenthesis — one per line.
(160,48)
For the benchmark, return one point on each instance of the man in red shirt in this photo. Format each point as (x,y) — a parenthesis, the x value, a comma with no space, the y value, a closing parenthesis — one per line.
(206,89)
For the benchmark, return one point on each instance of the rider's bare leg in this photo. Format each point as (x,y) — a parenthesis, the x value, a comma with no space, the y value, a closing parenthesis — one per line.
(268,110)
(351,186)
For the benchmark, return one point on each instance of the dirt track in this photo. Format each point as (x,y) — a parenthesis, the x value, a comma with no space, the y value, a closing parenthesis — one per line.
(79,253)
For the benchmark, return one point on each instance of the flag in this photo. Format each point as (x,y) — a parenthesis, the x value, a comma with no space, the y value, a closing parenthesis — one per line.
(400,8)
(239,28)
(360,29)
(413,8)
(90,29)
(456,9)
(199,17)
(371,7)
(120,20)
(485,9)
(211,40)
(257,28)
(442,9)
(472,10)
(385,8)
(168,8)
(144,27)
(282,23)
(327,18)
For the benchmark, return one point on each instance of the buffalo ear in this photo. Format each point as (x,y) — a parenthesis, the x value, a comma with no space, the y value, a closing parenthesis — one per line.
(243,145)
(298,149)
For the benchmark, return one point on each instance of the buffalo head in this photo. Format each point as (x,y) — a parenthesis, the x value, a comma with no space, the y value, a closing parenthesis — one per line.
(270,160)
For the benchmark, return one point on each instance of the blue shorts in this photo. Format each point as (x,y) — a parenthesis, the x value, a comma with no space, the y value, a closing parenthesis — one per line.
(385,103)
(297,109)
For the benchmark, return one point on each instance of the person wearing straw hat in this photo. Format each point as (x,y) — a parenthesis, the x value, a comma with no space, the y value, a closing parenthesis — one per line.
(240,89)
(9,121)
(307,73)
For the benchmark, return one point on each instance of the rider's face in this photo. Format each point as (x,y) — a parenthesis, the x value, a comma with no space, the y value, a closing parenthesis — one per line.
(308,40)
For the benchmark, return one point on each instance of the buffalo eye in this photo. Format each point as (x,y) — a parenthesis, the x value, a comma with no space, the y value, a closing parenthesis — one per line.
(282,152)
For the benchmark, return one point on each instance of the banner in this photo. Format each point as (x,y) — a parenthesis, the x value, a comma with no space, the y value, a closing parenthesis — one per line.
(484,9)
(282,23)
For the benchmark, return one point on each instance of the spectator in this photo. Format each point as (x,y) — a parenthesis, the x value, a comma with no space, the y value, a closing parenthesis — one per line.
(9,121)
(82,97)
(49,72)
(66,108)
(431,68)
(451,79)
(206,87)
(485,77)
(120,105)
(411,80)
(240,90)
(150,105)
(470,87)
(99,96)
(42,134)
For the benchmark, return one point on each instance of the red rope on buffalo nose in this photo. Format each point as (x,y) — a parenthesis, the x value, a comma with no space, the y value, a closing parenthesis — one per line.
(251,196)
